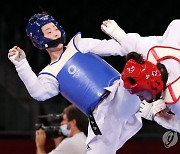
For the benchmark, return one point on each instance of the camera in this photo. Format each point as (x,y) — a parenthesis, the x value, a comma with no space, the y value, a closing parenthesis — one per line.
(51,125)
(51,131)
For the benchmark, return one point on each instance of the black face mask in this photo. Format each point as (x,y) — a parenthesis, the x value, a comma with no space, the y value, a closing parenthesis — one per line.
(55,43)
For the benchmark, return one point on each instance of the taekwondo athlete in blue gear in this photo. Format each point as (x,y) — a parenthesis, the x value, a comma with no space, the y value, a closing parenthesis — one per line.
(83,78)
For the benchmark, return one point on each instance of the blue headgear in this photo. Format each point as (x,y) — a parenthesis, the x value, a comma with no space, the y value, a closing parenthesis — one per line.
(33,30)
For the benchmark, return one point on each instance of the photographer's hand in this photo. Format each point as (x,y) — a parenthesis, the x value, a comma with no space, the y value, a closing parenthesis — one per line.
(40,141)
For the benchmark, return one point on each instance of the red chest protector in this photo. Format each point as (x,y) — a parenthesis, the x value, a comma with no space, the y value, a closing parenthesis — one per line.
(159,53)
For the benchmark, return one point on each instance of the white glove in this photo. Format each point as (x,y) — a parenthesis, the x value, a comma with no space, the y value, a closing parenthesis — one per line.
(149,110)
(111,28)
(146,110)
(16,55)
(158,106)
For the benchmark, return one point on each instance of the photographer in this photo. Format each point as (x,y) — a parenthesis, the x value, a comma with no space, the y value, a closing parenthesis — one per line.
(74,125)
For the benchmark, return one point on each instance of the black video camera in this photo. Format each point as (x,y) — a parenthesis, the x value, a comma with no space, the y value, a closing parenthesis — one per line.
(51,131)
(52,127)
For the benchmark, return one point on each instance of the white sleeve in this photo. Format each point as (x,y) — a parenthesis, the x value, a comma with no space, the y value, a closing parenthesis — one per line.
(175,108)
(100,47)
(172,123)
(171,37)
(40,88)
(134,42)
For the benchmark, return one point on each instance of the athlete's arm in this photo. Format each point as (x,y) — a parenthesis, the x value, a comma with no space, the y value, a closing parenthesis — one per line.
(100,47)
(168,121)
(40,88)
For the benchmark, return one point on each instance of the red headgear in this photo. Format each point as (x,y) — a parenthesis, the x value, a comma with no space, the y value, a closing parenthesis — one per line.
(137,77)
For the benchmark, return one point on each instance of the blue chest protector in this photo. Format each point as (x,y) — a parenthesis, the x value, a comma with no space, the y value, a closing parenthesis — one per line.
(83,79)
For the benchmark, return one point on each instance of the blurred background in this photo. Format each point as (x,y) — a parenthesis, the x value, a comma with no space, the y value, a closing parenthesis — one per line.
(19,112)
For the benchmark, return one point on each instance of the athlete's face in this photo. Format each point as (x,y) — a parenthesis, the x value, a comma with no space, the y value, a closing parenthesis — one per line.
(145,95)
(51,31)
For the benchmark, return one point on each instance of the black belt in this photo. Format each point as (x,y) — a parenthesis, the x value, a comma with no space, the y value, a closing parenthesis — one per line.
(92,121)
(94,125)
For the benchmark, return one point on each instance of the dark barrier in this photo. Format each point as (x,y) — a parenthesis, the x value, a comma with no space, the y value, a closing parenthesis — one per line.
(24,146)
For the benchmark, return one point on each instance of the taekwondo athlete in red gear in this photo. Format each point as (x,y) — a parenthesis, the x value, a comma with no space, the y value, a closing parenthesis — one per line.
(155,49)
(83,78)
